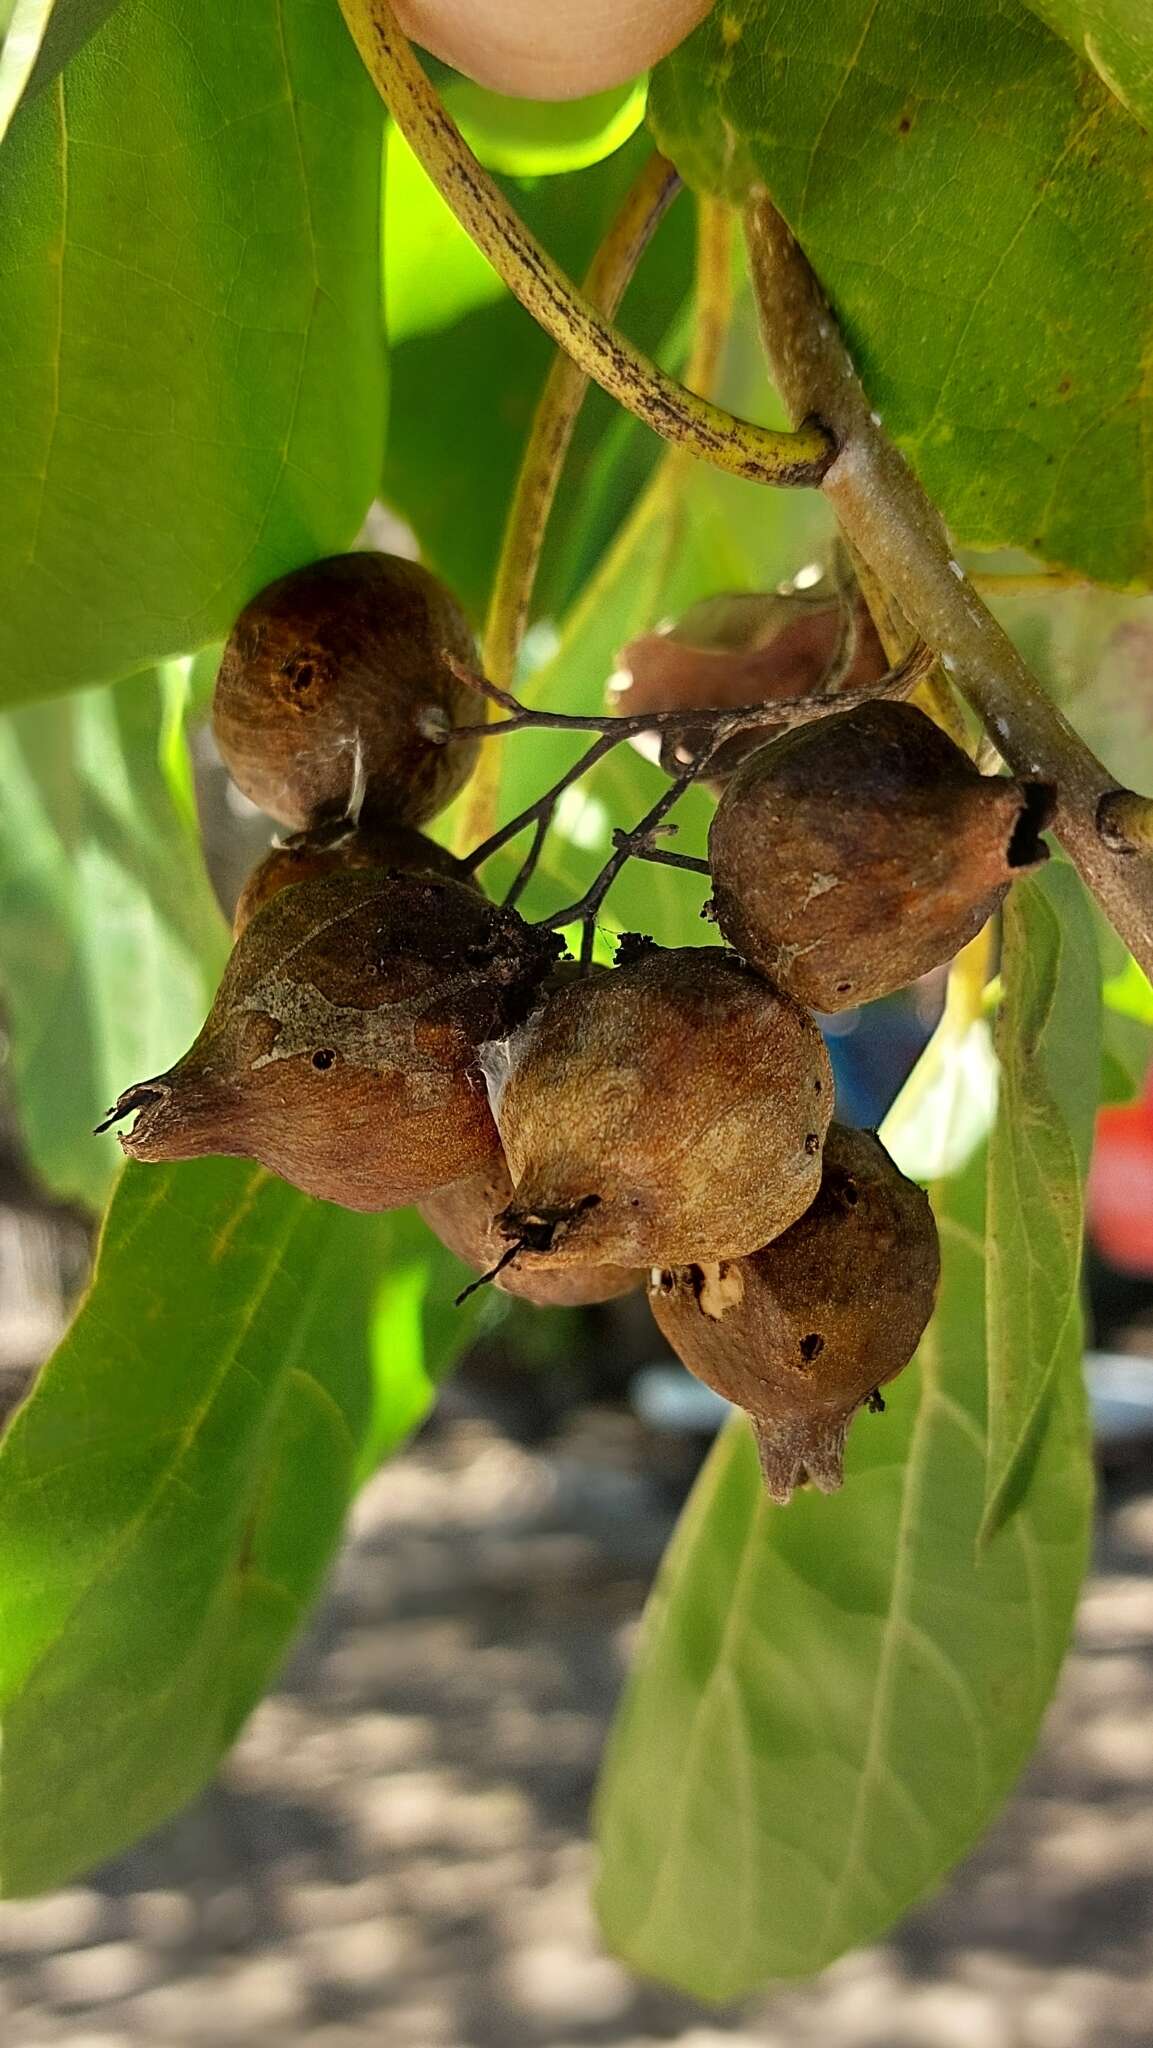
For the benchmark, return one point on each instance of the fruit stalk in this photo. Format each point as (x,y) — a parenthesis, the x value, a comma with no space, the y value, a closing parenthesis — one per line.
(677,414)
(706,732)
(606,279)
(886,515)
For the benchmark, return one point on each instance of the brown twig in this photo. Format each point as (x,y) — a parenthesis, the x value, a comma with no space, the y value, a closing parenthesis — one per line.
(886,515)
(782,712)
(679,415)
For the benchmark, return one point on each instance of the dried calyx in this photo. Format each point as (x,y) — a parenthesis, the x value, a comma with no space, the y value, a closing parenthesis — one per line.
(341,1049)
(330,848)
(853,855)
(667,1110)
(802,1333)
(334,697)
(464,1218)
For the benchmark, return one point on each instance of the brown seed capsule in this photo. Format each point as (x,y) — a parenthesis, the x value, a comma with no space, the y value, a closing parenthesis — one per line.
(804,1331)
(666,1110)
(464,1218)
(744,647)
(853,855)
(332,847)
(341,1050)
(334,699)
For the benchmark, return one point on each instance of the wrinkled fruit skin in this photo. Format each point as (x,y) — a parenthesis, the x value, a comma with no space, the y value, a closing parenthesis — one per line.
(397,848)
(667,1110)
(341,1049)
(743,647)
(327,684)
(464,1218)
(852,855)
(801,1333)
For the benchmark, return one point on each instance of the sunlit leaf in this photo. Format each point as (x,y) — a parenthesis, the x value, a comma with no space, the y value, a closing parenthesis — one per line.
(37,39)
(538,138)
(1048,1030)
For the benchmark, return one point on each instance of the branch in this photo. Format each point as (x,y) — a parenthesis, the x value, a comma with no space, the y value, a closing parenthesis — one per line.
(712,730)
(554,302)
(542,462)
(885,514)
(709,728)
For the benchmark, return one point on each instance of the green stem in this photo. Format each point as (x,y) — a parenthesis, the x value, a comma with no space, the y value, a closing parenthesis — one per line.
(887,517)
(542,287)
(541,465)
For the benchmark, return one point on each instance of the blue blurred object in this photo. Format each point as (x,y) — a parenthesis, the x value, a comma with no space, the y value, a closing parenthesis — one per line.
(873,1051)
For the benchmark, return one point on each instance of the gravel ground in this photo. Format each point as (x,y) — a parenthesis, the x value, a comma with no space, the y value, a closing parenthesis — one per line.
(396,1852)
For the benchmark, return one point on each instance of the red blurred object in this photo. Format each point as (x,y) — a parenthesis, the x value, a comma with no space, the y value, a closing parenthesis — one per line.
(1120,1197)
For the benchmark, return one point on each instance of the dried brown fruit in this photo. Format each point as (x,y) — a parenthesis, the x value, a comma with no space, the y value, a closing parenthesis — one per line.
(671,1109)
(804,1331)
(330,848)
(334,698)
(852,855)
(341,1050)
(464,1218)
(744,647)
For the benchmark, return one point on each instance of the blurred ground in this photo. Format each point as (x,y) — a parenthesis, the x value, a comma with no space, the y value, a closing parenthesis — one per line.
(397,1853)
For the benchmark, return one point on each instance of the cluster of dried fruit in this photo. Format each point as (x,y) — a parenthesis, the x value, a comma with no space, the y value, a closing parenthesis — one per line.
(386,1035)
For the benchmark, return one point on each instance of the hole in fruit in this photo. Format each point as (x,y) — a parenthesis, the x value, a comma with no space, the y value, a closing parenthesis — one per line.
(844,988)
(875,1403)
(850,1193)
(812,1144)
(301,677)
(811,1346)
(323,1060)
(1039,800)
(816,1087)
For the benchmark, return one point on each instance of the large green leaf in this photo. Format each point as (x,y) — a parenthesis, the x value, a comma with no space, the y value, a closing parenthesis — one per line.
(943,177)
(111,941)
(1048,1037)
(173,1490)
(1116,38)
(37,39)
(468,371)
(189,285)
(831,1699)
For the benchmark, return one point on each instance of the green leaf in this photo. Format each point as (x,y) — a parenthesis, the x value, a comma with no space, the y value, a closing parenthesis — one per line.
(1048,1038)
(433,273)
(37,39)
(831,1700)
(172,1492)
(538,138)
(463,394)
(416,1333)
(111,941)
(941,181)
(191,331)
(1127,1030)
(1116,38)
